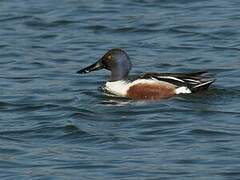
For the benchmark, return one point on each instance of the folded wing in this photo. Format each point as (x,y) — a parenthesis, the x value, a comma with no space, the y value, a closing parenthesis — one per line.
(196,81)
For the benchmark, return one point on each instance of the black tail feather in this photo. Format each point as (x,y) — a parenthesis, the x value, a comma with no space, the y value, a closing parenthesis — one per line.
(202,86)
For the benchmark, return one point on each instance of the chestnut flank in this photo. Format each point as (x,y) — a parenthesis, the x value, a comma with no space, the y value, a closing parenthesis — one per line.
(151,91)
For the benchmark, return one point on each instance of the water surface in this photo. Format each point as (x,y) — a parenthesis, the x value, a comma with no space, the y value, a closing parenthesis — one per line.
(55,124)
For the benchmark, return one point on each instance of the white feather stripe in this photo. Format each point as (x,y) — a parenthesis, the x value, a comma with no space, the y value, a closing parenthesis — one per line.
(202,84)
(193,80)
(170,77)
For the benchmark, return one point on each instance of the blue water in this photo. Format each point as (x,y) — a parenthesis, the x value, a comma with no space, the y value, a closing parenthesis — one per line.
(56,124)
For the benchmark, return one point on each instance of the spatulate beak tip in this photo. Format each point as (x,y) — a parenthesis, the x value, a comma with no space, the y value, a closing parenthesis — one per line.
(82,71)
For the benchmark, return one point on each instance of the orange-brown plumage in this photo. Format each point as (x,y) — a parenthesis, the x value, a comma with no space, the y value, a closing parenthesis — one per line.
(151,91)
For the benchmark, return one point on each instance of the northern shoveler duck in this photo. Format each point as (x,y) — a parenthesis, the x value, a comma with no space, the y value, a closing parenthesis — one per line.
(149,85)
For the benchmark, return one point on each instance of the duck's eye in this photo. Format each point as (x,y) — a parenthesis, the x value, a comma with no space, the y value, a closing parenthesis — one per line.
(109,57)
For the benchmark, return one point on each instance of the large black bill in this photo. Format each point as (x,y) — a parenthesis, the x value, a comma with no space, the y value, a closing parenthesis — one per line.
(94,67)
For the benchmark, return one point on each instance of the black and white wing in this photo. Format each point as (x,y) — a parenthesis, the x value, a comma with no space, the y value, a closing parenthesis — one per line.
(196,81)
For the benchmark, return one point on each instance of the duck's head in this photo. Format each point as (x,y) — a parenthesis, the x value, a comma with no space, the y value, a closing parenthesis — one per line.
(115,60)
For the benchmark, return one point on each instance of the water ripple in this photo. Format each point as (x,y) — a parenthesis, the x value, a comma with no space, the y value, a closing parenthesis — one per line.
(59,125)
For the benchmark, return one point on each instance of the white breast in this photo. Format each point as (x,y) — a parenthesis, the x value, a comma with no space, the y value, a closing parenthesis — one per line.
(118,88)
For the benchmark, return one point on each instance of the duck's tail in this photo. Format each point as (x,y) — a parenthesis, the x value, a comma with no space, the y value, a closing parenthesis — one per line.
(202,86)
